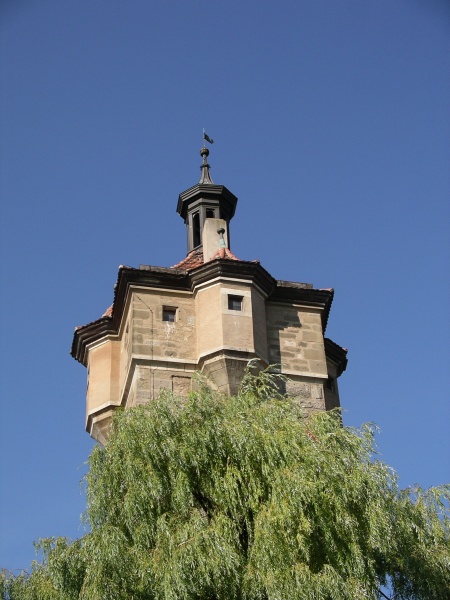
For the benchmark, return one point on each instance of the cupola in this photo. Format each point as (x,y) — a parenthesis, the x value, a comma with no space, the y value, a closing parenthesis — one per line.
(205,200)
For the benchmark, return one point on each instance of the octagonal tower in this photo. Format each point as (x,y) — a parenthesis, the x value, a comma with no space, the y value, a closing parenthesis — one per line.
(212,313)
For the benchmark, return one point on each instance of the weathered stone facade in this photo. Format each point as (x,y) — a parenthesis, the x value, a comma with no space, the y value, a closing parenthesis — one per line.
(212,313)
(134,353)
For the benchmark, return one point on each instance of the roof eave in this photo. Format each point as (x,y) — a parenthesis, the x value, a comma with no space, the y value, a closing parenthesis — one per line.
(337,354)
(304,293)
(207,192)
(86,335)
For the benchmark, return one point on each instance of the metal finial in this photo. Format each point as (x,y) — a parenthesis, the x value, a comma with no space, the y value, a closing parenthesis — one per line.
(204,168)
(205,153)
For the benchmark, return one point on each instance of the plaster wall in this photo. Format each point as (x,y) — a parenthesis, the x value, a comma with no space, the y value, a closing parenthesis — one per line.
(210,237)
(210,326)
(103,376)
(237,325)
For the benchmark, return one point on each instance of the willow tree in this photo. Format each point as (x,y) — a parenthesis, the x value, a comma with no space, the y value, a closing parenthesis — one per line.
(244,498)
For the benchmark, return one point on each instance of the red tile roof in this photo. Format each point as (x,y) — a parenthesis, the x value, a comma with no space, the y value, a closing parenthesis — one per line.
(108,311)
(192,260)
(195,258)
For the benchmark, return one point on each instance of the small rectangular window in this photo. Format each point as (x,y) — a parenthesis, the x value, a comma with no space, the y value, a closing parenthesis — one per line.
(169,314)
(234,302)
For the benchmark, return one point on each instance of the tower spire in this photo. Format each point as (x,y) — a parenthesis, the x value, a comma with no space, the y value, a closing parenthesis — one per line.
(205,200)
(205,177)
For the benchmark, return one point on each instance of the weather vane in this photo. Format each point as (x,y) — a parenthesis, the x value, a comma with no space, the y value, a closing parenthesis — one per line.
(207,138)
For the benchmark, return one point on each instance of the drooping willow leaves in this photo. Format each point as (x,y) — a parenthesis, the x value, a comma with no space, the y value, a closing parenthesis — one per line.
(244,498)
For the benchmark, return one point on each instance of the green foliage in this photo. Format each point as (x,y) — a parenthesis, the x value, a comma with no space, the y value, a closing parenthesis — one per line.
(244,498)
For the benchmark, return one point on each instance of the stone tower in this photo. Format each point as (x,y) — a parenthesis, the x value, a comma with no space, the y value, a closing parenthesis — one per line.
(212,313)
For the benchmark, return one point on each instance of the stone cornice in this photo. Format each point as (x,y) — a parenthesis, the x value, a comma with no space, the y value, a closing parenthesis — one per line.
(88,334)
(223,268)
(148,276)
(294,293)
(181,280)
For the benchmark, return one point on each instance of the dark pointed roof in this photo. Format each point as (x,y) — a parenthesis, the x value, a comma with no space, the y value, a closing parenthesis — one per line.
(207,190)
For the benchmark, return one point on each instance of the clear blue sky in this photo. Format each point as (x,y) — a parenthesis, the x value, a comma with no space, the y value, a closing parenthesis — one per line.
(331,121)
